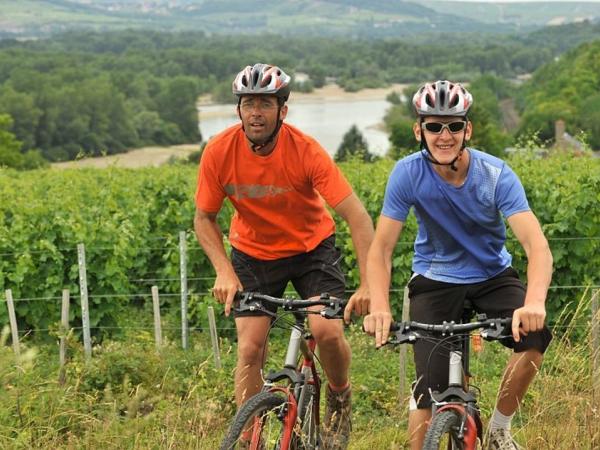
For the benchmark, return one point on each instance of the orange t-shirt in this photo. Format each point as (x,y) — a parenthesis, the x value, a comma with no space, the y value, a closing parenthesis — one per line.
(278,198)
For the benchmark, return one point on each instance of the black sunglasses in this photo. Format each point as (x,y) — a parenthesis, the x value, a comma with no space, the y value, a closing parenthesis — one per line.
(438,127)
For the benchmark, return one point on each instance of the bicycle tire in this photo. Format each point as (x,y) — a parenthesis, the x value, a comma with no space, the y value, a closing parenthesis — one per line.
(264,406)
(306,434)
(441,433)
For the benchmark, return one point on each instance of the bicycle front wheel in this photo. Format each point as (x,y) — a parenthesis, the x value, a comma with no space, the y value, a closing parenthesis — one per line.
(442,433)
(258,423)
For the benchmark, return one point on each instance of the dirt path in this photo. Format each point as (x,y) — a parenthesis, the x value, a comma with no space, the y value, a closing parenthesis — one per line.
(141,157)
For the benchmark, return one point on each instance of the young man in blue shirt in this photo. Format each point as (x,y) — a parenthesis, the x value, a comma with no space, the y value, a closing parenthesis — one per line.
(459,196)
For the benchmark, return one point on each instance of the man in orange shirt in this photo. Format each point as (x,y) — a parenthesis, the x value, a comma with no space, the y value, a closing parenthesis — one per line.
(277,177)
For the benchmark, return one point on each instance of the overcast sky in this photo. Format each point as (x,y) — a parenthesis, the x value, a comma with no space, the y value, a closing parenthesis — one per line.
(524,1)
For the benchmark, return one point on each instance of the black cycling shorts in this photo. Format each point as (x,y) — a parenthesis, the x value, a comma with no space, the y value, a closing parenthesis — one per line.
(312,273)
(436,301)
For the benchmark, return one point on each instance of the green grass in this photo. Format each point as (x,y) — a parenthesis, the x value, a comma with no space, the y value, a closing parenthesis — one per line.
(131,397)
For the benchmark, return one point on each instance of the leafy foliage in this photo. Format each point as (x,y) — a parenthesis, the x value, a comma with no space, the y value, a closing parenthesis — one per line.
(129,221)
(10,149)
(96,93)
(353,145)
(565,89)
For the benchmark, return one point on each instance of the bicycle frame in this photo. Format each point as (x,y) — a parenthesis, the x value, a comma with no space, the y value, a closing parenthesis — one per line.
(303,343)
(287,392)
(456,397)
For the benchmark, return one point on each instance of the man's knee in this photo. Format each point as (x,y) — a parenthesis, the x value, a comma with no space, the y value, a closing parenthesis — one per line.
(250,352)
(329,335)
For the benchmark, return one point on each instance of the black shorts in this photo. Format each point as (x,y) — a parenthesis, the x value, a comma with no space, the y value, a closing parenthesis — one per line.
(435,301)
(311,273)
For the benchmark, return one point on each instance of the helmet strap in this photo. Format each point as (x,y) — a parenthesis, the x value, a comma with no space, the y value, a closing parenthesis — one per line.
(256,146)
(429,156)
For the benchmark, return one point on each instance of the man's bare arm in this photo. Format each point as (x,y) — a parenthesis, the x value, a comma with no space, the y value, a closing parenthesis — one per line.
(361,229)
(379,262)
(210,237)
(528,231)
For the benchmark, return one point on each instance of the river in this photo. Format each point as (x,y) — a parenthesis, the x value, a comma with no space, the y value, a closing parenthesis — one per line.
(326,121)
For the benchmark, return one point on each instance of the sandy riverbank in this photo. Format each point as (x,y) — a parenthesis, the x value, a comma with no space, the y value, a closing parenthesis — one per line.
(156,156)
(328,93)
(133,159)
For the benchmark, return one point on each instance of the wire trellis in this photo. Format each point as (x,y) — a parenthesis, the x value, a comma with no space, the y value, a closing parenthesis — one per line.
(198,249)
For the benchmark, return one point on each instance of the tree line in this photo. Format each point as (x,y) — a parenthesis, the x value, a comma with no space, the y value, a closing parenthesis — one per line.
(103,93)
(565,89)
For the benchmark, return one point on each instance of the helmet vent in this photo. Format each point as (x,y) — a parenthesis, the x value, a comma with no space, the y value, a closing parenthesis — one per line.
(262,79)
(442,98)
(429,100)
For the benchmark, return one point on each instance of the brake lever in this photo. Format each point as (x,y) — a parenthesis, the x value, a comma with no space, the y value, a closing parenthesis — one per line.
(403,337)
(245,303)
(497,333)
(333,311)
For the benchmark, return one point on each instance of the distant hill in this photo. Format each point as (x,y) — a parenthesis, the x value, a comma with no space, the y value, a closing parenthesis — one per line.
(355,18)
(521,14)
(566,89)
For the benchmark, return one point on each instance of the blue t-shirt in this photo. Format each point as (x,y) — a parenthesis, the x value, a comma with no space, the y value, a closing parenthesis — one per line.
(461,232)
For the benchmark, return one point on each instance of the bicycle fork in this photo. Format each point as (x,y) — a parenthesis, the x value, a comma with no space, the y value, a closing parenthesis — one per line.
(300,376)
(457,398)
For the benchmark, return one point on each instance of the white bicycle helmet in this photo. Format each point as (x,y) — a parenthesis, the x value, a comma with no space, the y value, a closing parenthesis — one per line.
(442,98)
(262,79)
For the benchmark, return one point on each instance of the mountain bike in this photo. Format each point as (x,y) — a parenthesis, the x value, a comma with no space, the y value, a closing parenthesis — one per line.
(455,421)
(285,414)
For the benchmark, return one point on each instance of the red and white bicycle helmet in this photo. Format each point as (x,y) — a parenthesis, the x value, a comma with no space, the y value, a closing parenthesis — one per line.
(262,79)
(442,98)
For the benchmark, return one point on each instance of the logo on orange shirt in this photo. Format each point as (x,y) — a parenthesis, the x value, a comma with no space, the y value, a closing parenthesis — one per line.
(242,191)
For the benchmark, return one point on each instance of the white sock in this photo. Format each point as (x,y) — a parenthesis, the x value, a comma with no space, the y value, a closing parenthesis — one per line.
(499,420)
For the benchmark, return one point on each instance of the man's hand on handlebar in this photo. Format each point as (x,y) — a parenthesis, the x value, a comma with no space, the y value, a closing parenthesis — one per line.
(226,286)
(359,303)
(377,324)
(528,319)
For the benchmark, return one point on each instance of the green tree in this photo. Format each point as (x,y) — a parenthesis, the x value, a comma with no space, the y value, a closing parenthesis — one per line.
(394,98)
(487,121)
(24,112)
(402,138)
(10,149)
(590,120)
(177,105)
(353,144)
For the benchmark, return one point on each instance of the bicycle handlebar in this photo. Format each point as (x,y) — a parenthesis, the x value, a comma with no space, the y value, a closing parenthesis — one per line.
(493,329)
(253,301)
